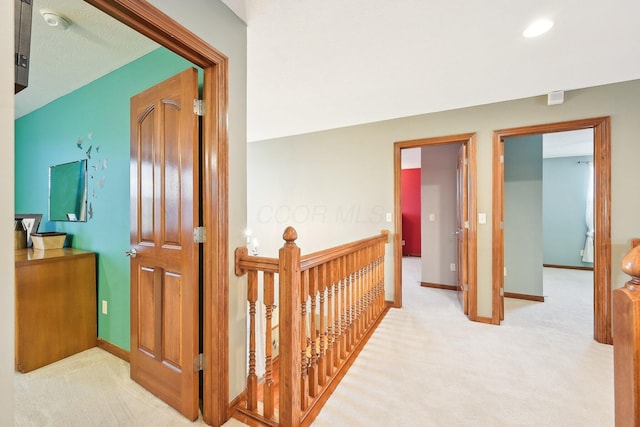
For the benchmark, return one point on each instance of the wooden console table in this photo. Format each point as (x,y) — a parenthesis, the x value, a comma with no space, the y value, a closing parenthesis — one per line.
(55,305)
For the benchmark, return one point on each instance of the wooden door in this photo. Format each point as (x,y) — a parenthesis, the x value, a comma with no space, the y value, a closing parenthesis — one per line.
(165,266)
(462,226)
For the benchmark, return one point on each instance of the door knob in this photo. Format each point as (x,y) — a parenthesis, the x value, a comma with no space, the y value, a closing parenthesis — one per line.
(131,253)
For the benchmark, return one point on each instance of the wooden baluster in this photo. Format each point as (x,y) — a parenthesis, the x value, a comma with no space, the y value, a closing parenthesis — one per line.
(313,332)
(381,280)
(377,286)
(357,303)
(364,298)
(322,282)
(362,307)
(626,344)
(349,285)
(304,342)
(367,290)
(343,309)
(374,285)
(290,333)
(252,379)
(268,386)
(358,297)
(337,313)
(347,306)
(330,311)
(372,289)
(352,305)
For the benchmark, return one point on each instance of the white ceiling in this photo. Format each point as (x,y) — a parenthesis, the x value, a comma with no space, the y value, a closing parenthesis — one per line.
(63,61)
(567,144)
(316,65)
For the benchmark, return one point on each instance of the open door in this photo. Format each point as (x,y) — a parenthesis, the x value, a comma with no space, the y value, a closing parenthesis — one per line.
(164,257)
(462,226)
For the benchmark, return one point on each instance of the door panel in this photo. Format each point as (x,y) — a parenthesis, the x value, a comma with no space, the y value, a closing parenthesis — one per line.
(172,324)
(164,211)
(462,219)
(146,312)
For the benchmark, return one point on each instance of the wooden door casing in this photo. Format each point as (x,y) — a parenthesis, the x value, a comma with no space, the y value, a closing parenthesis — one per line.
(164,212)
(602,207)
(462,226)
(157,26)
(469,141)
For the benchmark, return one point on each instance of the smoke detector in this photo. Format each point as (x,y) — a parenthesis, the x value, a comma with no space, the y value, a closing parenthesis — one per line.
(54,19)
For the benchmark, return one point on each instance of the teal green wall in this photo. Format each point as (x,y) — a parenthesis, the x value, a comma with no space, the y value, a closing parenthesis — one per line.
(97,113)
(523,215)
(565,183)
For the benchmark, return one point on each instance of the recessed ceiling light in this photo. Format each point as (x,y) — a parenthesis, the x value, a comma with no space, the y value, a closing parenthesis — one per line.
(538,28)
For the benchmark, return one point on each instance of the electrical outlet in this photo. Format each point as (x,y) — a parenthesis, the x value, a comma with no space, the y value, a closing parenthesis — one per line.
(104,306)
(581,252)
(452,267)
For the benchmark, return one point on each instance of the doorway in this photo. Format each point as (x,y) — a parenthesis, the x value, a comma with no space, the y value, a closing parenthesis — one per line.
(152,23)
(468,143)
(602,199)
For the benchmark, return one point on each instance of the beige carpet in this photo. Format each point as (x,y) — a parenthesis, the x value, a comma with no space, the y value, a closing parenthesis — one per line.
(91,388)
(426,365)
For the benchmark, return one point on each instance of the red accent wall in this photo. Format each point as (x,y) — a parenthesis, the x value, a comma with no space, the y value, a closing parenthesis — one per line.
(411,212)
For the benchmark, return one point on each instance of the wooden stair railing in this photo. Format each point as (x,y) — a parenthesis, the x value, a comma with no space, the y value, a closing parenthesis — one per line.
(626,342)
(329,303)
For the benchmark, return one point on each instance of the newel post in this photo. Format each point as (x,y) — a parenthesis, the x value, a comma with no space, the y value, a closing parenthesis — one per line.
(290,357)
(626,343)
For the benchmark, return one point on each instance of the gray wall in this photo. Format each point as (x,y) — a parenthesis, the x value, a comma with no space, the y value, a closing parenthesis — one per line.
(353,166)
(439,244)
(564,198)
(523,215)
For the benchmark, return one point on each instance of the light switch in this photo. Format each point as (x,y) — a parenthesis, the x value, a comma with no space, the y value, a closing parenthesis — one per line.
(482,218)
(432,217)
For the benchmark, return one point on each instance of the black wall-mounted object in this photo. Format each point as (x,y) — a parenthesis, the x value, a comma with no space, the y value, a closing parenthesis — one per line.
(22,10)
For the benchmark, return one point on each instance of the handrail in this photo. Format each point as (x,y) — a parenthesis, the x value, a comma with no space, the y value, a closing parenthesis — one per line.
(329,303)
(316,258)
(245,262)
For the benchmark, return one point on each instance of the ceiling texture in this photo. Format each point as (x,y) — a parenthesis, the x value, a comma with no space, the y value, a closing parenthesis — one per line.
(322,64)
(62,61)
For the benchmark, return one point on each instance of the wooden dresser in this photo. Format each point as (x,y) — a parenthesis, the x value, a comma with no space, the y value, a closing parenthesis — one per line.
(55,305)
